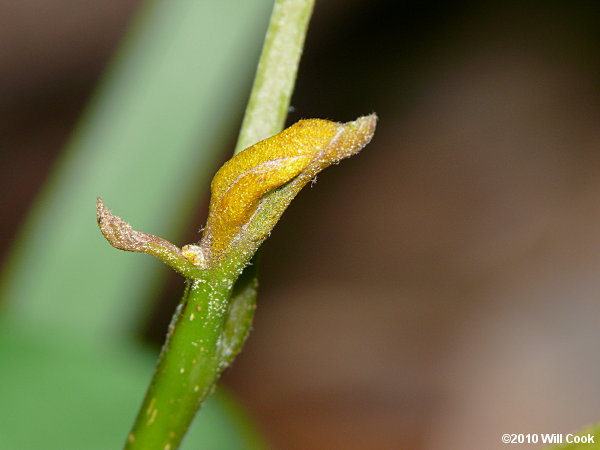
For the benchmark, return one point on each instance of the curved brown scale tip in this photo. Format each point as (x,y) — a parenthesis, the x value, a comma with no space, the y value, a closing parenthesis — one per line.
(119,233)
(100,209)
(365,129)
(352,138)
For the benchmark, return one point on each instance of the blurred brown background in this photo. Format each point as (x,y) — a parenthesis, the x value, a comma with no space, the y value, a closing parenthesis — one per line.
(434,292)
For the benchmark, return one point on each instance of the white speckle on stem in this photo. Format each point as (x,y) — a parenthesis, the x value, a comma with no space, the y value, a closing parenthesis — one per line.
(151,406)
(153,416)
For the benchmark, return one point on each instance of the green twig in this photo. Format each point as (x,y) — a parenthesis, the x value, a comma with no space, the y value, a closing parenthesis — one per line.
(210,324)
(265,116)
(276,73)
(188,366)
(249,195)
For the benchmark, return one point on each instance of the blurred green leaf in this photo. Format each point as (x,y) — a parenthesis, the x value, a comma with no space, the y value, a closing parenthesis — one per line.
(148,144)
(71,375)
(60,394)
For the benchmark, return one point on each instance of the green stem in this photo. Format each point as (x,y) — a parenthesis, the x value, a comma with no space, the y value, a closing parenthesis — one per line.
(264,117)
(276,73)
(240,315)
(188,367)
(213,319)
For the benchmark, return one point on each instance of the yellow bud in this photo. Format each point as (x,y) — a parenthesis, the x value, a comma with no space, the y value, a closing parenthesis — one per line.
(251,191)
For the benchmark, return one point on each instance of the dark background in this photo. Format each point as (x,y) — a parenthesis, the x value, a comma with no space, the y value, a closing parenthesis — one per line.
(434,292)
